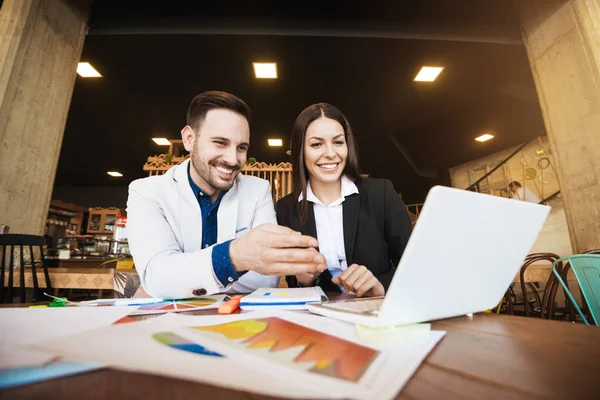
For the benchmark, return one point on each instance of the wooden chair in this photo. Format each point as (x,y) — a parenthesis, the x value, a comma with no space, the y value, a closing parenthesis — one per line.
(550,309)
(512,300)
(529,310)
(531,306)
(25,244)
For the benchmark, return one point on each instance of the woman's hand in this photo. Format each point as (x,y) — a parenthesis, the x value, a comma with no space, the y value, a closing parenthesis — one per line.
(358,279)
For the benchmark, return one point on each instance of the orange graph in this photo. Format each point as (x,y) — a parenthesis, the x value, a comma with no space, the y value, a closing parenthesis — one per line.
(323,353)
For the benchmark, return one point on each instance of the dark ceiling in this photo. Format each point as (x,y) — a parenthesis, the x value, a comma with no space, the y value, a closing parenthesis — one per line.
(356,55)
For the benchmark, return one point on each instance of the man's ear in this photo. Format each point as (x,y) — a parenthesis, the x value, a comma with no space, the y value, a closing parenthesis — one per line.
(188,136)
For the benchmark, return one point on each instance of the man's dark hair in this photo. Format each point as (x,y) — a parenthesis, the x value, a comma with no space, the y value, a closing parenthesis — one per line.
(204,102)
(514,184)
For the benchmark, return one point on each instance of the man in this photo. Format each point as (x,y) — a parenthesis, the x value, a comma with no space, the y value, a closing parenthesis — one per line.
(204,228)
(523,194)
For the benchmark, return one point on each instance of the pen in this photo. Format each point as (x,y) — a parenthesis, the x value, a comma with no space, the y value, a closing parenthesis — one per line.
(119,302)
(105,302)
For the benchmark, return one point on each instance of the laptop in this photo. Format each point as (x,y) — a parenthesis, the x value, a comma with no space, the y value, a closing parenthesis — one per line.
(464,252)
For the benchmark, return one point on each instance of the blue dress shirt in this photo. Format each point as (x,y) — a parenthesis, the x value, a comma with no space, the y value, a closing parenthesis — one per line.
(221,261)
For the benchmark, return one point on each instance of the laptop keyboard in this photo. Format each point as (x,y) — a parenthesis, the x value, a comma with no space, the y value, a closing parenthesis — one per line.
(366,306)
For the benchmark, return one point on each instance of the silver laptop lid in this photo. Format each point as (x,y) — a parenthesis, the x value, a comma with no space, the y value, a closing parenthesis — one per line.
(463,254)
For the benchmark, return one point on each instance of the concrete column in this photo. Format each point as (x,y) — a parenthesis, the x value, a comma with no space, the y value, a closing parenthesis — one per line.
(562,38)
(40,46)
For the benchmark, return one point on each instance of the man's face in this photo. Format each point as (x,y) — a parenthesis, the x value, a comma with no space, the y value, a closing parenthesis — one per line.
(219,150)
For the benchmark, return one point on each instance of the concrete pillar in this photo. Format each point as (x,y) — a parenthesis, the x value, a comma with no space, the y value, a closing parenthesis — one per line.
(562,38)
(40,46)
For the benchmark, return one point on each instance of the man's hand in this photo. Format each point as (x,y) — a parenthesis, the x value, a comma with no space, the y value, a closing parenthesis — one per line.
(307,278)
(358,279)
(276,250)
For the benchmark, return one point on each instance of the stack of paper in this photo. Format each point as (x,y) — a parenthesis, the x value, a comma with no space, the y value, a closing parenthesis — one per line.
(23,327)
(146,306)
(270,352)
(194,304)
(288,298)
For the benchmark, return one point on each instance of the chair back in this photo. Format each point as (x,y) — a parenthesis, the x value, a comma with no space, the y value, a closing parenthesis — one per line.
(542,303)
(586,268)
(564,275)
(25,244)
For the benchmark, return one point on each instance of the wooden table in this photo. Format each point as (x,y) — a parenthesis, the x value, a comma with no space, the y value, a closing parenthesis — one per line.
(487,356)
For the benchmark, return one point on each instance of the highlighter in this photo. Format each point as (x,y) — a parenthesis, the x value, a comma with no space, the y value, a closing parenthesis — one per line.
(230,305)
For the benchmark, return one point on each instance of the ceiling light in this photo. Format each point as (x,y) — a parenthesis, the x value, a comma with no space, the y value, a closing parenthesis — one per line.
(161,141)
(485,137)
(115,174)
(265,70)
(428,74)
(275,142)
(86,70)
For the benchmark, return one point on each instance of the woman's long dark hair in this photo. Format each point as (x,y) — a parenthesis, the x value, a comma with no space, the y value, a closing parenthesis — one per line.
(299,171)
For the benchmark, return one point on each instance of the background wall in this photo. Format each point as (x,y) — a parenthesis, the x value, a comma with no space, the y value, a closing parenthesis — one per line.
(554,236)
(460,176)
(93,196)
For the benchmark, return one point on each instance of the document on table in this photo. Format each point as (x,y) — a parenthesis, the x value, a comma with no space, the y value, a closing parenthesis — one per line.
(22,327)
(321,357)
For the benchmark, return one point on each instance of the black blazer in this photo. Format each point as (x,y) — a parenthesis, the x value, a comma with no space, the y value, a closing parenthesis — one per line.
(376,229)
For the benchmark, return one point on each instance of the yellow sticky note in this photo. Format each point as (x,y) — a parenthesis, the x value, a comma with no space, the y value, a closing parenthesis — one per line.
(38,306)
(282,293)
(126,263)
(387,335)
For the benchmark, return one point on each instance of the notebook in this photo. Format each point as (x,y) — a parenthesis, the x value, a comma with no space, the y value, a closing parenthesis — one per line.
(283,298)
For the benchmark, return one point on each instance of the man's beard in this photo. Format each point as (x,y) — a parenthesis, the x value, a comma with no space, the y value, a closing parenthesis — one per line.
(208,173)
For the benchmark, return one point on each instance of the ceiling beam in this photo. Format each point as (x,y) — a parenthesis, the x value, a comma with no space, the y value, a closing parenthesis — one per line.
(291,27)
(423,172)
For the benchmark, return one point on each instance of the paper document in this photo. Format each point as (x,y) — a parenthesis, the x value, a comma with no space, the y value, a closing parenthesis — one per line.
(120,302)
(159,346)
(26,326)
(101,302)
(391,334)
(194,304)
(54,369)
(151,305)
(299,355)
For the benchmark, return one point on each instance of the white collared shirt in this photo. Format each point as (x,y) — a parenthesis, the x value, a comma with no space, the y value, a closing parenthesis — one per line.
(525,194)
(329,221)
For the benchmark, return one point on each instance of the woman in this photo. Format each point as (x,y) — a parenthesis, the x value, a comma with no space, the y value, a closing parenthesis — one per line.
(361,224)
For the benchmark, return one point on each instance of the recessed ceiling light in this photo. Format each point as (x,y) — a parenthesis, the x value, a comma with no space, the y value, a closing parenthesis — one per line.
(428,74)
(115,174)
(275,142)
(86,70)
(161,141)
(265,70)
(484,138)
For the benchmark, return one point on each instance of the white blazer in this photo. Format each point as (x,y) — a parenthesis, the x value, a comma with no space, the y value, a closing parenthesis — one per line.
(164,228)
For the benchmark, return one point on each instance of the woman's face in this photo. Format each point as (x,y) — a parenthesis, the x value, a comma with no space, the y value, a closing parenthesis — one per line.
(325,150)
